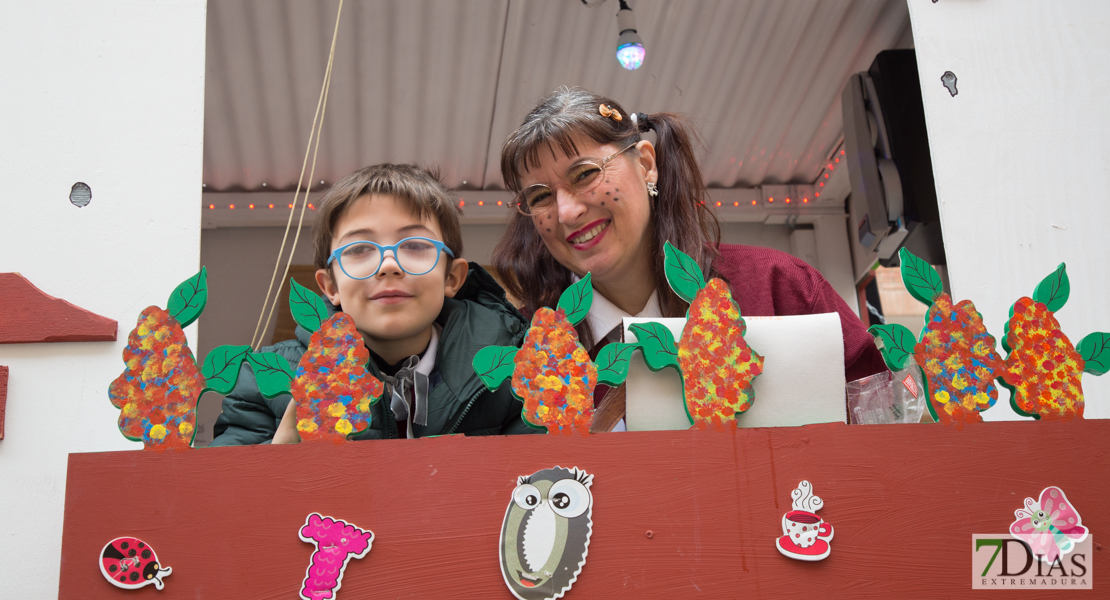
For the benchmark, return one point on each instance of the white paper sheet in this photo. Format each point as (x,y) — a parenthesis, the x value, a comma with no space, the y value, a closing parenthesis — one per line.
(802,380)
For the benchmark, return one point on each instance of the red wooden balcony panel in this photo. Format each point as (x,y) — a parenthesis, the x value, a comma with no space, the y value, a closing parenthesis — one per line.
(904,501)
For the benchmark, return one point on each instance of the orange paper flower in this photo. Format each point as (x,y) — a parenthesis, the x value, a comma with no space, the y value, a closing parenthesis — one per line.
(716,363)
(554,375)
(157,393)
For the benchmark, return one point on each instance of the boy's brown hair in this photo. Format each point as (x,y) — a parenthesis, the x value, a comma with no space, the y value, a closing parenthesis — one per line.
(418,188)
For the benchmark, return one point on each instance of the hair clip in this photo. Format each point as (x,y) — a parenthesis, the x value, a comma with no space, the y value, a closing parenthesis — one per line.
(610,113)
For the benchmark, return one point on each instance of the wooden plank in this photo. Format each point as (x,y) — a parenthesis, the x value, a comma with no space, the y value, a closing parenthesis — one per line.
(3,397)
(28,316)
(904,500)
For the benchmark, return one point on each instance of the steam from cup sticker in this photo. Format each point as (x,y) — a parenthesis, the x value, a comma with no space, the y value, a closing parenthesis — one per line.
(131,563)
(337,542)
(804,499)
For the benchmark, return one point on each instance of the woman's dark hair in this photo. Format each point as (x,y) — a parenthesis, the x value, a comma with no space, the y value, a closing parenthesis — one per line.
(680,213)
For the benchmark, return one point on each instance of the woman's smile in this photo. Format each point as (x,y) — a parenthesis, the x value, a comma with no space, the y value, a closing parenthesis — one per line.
(590,235)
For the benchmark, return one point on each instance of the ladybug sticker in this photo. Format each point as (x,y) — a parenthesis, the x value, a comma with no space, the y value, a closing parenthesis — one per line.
(131,563)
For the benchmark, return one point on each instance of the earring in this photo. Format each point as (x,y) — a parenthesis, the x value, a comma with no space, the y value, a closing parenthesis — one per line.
(652,190)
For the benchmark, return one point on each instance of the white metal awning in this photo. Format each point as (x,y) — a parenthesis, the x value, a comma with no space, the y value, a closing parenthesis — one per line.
(444,82)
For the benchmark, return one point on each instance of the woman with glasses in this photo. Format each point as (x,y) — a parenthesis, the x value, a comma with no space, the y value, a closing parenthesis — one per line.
(593,196)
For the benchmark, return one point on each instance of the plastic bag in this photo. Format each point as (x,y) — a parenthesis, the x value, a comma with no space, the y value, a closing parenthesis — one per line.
(887,397)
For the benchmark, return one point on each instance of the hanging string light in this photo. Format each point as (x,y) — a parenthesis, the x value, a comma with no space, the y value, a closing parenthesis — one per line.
(630,48)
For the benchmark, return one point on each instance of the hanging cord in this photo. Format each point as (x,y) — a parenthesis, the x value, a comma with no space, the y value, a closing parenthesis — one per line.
(317,126)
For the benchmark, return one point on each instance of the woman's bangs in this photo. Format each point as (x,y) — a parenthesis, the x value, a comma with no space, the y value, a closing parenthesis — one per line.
(527,152)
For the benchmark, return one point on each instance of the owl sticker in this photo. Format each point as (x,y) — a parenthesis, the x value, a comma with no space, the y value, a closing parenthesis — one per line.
(546,533)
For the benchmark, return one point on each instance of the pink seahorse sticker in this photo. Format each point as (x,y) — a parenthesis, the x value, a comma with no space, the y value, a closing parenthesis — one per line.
(337,542)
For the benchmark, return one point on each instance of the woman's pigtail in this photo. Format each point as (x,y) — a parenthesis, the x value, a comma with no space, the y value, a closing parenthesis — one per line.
(682,212)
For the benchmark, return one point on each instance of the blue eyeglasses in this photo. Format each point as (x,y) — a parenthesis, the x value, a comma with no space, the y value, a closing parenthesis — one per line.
(363,259)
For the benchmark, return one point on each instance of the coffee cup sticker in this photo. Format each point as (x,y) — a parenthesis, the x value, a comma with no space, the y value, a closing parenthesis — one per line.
(805,536)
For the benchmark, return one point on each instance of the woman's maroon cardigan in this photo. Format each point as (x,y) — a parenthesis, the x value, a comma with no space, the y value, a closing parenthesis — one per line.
(768,282)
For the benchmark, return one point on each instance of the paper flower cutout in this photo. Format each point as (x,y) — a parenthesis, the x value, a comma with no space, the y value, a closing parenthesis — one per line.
(956,353)
(157,393)
(552,373)
(714,359)
(1043,370)
(332,389)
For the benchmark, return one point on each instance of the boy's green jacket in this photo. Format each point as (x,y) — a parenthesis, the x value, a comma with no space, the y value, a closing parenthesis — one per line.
(478,316)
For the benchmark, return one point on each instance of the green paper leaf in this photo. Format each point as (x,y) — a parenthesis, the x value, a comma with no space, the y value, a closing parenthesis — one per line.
(612,363)
(921,279)
(898,343)
(221,367)
(577,299)
(1095,350)
(1053,291)
(657,344)
(188,299)
(494,364)
(272,372)
(683,273)
(307,307)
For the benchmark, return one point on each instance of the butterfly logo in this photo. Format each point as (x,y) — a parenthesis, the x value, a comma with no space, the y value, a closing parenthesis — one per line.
(1050,526)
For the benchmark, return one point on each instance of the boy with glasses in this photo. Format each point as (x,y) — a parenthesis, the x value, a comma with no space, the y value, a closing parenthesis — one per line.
(387,243)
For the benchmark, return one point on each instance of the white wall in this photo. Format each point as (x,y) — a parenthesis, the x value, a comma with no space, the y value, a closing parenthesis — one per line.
(1020,156)
(110,94)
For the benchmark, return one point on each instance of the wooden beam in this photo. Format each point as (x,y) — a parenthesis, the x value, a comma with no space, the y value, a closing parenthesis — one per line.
(28,316)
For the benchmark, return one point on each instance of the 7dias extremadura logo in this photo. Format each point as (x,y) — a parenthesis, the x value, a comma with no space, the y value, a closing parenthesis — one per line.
(1048,547)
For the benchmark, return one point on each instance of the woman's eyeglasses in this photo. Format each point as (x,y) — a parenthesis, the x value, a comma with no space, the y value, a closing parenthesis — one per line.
(363,259)
(582,177)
